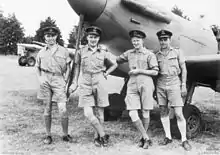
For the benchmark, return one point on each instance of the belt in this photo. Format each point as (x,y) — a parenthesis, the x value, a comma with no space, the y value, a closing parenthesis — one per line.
(52,73)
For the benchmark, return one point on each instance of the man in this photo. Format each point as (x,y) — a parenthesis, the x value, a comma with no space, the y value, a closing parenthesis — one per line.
(92,93)
(171,84)
(53,66)
(143,66)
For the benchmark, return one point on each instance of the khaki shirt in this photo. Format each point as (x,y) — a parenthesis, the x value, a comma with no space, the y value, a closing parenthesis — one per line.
(54,60)
(169,65)
(94,61)
(144,59)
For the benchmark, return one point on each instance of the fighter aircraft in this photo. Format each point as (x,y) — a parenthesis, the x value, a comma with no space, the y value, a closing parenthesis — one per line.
(118,17)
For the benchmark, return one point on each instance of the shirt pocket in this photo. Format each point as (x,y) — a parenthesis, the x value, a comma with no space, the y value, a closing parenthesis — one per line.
(60,60)
(173,65)
(173,61)
(99,60)
(142,62)
(132,62)
(84,61)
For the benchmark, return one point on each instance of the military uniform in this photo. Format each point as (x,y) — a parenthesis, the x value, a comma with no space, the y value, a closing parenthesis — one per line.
(53,65)
(92,91)
(168,82)
(140,87)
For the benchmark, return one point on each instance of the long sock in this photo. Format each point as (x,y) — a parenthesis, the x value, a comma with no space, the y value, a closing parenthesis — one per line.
(98,127)
(47,120)
(65,123)
(139,125)
(182,127)
(166,126)
(146,122)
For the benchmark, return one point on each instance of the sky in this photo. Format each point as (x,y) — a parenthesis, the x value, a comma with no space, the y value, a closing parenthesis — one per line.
(30,12)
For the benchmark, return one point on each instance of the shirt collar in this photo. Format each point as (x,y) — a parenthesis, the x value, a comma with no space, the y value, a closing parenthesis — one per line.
(160,52)
(53,49)
(143,50)
(98,49)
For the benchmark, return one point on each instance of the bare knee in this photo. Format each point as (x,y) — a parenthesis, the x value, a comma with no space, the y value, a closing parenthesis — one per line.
(62,110)
(146,113)
(48,108)
(179,113)
(134,115)
(89,114)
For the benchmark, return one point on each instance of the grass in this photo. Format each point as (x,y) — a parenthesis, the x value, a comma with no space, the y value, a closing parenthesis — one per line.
(22,130)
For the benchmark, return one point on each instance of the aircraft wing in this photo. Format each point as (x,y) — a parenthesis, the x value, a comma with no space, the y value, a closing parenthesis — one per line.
(204,69)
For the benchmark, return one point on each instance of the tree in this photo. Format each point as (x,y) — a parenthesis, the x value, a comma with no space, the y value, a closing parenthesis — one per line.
(73,37)
(28,39)
(179,12)
(48,22)
(11,33)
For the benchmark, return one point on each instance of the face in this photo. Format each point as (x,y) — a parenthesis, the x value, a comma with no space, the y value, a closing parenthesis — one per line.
(164,43)
(137,42)
(93,40)
(50,39)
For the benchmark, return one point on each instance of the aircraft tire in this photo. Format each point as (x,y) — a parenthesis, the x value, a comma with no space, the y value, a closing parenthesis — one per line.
(116,107)
(193,122)
(22,61)
(31,61)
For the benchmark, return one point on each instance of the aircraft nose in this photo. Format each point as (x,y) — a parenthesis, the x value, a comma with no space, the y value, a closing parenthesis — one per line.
(91,9)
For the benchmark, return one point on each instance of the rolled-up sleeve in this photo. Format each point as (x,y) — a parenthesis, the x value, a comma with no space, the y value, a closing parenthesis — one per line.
(181,57)
(152,61)
(38,62)
(122,58)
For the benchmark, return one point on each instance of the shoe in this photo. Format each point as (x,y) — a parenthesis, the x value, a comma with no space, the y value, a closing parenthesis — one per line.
(141,142)
(68,138)
(147,143)
(97,141)
(166,141)
(47,140)
(186,145)
(104,140)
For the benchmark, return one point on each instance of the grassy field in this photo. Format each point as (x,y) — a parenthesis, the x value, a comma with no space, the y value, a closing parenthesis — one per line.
(22,126)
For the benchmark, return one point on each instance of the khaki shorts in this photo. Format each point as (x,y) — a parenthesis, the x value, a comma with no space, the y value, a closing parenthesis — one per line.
(140,95)
(53,87)
(93,94)
(169,95)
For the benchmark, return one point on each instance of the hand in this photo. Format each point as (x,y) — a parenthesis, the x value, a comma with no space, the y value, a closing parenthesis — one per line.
(183,90)
(134,72)
(73,87)
(41,79)
(105,74)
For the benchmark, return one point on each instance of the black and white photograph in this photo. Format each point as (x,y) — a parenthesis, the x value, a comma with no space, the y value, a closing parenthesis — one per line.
(110,77)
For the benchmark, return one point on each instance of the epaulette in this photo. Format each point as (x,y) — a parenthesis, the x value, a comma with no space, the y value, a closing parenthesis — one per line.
(176,48)
(103,48)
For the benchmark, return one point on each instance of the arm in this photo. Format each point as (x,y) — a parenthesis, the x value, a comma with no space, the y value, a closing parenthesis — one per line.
(182,66)
(152,72)
(113,64)
(122,58)
(37,65)
(67,74)
(183,74)
(152,65)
